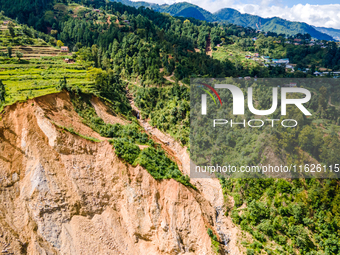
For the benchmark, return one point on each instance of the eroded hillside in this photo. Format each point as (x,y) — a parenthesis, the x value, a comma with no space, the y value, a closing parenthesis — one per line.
(64,194)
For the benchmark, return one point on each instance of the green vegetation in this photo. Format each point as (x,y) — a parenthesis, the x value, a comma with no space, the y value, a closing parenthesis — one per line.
(126,150)
(183,9)
(316,56)
(316,136)
(125,139)
(236,54)
(214,243)
(152,159)
(38,77)
(160,166)
(2,93)
(284,216)
(300,216)
(168,109)
(37,69)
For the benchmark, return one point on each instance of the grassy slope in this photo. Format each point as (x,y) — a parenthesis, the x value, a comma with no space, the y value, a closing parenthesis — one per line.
(234,54)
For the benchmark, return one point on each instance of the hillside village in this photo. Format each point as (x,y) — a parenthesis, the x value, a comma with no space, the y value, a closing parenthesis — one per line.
(251,51)
(264,60)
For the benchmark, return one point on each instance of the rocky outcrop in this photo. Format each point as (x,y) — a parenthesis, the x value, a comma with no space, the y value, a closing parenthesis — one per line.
(63,194)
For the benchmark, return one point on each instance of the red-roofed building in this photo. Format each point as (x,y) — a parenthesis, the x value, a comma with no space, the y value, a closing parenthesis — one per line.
(64,49)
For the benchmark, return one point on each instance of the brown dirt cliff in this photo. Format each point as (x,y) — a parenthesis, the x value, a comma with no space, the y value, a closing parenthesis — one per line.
(63,194)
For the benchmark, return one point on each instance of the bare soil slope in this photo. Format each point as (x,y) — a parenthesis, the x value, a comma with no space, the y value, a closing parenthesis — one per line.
(62,194)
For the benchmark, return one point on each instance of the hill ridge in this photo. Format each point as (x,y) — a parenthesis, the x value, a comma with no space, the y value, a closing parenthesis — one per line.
(273,24)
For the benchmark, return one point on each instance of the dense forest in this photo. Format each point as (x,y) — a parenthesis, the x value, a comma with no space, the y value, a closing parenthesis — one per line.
(299,214)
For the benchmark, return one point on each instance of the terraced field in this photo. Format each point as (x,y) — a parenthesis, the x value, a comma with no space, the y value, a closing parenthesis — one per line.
(39,70)
(37,77)
(34,51)
(235,55)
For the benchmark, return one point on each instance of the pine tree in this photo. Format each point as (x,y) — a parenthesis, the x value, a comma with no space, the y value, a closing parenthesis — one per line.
(9,52)
(2,92)
(10,27)
(19,55)
(62,84)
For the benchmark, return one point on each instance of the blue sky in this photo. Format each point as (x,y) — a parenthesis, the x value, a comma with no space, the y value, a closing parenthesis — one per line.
(324,13)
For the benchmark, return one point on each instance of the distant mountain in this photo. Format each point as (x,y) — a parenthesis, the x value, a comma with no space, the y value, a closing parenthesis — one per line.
(277,25)
(182,9)
(335,33)
(138,4)
(188,10)
(233,16)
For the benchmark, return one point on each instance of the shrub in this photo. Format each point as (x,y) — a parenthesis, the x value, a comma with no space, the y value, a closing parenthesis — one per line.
(210,232)
(236,218)
(160,166)
(250,252)
(126,150)
(60,43)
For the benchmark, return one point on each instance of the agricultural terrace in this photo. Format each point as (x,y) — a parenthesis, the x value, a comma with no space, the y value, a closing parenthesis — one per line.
(31,67)
(234,54)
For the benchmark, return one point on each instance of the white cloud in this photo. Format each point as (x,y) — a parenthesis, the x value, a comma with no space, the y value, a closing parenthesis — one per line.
(317,15)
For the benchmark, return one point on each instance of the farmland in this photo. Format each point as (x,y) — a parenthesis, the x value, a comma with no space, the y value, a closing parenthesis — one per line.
(235,55)
(35,69)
